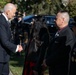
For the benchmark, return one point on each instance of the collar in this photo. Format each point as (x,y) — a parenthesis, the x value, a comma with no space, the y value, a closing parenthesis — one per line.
(5,16)
(62,29)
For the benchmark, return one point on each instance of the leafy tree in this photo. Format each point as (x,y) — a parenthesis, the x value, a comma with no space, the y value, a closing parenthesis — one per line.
(72,9)
(41,6)
(3,2)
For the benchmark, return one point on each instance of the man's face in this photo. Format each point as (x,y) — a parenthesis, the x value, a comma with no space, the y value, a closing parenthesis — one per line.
(58,20)
(11,13)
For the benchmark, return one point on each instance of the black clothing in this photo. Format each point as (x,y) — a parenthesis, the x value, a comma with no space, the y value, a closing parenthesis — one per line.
(6,47)
(39,39)
(57,57)
(4,68)
(44,37)
(73,61)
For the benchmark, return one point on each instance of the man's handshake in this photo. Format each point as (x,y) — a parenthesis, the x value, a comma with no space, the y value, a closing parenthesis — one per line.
(20,48)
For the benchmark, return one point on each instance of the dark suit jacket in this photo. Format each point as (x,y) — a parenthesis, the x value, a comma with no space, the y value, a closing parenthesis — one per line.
(58,52)
(5,40)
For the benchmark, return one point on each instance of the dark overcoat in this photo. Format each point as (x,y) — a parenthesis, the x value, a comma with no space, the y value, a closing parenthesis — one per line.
(58,53)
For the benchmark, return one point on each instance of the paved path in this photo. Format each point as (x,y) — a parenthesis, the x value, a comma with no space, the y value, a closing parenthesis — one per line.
(10,73)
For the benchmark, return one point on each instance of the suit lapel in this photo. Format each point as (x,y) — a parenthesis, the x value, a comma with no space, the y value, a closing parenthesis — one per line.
(7,25)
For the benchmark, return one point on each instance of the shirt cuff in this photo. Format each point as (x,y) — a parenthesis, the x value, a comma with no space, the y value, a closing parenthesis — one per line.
(17,48)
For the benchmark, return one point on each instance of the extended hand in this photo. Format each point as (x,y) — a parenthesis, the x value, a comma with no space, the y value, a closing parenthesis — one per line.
(20,48)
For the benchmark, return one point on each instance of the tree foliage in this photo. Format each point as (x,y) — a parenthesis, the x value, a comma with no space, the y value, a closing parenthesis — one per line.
(41,6)
(72,9)
(3,2)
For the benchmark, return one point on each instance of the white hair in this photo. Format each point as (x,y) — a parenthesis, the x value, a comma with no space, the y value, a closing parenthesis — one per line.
(9,6)
(65,15)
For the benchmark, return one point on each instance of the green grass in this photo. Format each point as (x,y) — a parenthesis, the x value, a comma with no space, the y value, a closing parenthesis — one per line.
(17,63)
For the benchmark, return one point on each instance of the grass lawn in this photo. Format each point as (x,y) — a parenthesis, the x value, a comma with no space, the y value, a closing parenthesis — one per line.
(17,63)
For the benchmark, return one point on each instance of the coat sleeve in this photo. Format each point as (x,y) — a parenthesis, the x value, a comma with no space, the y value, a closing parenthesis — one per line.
(5,38)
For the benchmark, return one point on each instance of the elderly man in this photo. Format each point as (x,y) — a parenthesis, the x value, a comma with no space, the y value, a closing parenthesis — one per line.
(58,53)
(6,46)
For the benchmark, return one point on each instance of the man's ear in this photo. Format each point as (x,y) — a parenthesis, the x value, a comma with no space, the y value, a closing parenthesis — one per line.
(7,12)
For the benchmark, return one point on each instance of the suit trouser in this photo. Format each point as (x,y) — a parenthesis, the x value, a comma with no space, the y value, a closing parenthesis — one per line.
(4,68)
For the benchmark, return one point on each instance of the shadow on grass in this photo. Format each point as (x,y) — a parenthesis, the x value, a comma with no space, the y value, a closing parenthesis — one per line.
(17,60)
(18,63)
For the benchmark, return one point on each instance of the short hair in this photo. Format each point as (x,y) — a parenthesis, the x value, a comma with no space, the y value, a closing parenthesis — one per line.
(9,6)
(65,15)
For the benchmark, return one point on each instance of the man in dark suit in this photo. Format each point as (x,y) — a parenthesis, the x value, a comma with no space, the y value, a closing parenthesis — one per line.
(58,53)
(6,46)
